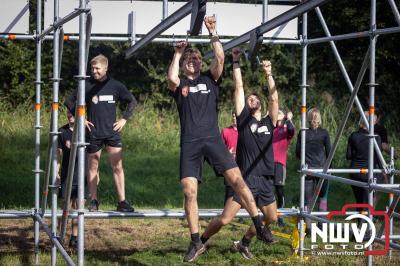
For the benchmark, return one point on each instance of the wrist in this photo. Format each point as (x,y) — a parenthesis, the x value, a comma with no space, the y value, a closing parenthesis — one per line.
(213,34)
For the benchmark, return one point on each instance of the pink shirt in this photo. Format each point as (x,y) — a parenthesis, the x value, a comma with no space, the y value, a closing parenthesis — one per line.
(280,141)
(230,137)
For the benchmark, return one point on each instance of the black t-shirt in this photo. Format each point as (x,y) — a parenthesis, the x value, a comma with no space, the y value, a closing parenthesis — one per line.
(197,103)
(358,149)
(318,146)
(254,153)
(65,144)
(101,99)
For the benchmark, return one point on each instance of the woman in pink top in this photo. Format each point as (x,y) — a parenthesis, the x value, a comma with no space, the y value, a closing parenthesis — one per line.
(283,134)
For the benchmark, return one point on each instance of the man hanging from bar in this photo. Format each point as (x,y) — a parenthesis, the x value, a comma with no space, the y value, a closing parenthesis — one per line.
(196,98)
(255,155)
(103,129)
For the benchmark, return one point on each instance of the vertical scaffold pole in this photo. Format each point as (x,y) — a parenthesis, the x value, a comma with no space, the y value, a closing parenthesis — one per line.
(264,11)
(371,111)
(38,83)
(81,107)
(165,9)
(303,110)
(54,131)
(391,197)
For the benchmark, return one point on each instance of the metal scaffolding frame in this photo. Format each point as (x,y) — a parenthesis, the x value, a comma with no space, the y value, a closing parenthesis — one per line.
(78,148)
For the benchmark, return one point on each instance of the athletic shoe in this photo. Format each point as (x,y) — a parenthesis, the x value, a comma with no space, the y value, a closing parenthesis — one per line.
(124,206)
(265,235)
(73,242)
(194,250)
(245,251)
(94,205)
(281,223)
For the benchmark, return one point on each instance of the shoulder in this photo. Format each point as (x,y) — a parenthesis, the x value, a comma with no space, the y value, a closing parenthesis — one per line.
(207,76)
(267,119)
(324,131)
(64,128)
(116,83)
(353,135)
(244,113)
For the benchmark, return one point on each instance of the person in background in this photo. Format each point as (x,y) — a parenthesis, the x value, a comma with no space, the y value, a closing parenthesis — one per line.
(318,146)
(281,138)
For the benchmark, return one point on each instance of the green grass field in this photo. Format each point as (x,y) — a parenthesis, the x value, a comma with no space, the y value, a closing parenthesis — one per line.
(151,161)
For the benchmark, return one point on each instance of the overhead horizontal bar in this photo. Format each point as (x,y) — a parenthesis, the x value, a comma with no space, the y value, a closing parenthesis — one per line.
(160,28)
(273,23)
(126,39)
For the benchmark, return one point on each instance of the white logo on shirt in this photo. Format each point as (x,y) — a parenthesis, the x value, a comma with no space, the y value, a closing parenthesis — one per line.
(107,98)
(202,88)
(263,129)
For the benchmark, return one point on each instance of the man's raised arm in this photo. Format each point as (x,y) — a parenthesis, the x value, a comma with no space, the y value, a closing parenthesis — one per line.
(217,65)
(173,70)
(237,79)
(273,103)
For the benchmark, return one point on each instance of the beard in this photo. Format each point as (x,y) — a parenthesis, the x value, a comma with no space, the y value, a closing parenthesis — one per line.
(255,108)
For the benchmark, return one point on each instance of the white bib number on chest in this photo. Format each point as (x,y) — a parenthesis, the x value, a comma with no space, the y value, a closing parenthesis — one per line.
(202,88)
(106,98)
(263,129)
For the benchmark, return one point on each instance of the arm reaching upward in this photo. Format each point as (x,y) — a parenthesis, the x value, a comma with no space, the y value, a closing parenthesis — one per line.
(217,65)
(273,103)
(173,70)
(237,79)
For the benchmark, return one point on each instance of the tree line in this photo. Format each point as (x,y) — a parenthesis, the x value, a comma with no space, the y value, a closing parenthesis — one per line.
(145,73)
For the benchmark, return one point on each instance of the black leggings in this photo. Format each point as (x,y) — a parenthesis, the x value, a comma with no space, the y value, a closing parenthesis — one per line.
(280,198)
(361,194)
(310,186)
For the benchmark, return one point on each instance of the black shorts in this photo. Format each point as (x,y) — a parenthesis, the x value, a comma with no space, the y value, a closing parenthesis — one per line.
(280,174)
(194,153)
(96,144)
(262,189)
(229,192)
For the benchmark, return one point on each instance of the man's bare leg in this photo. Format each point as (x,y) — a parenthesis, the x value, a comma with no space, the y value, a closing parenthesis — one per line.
(115,157)
(189,188)
(234,178)
(230,210)
(93,167)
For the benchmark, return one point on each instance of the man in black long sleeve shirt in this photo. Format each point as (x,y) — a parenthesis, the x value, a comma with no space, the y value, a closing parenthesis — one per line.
(102,95)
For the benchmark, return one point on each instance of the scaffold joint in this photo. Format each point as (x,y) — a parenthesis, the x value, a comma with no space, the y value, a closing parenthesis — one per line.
(81,77)
(38,171)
